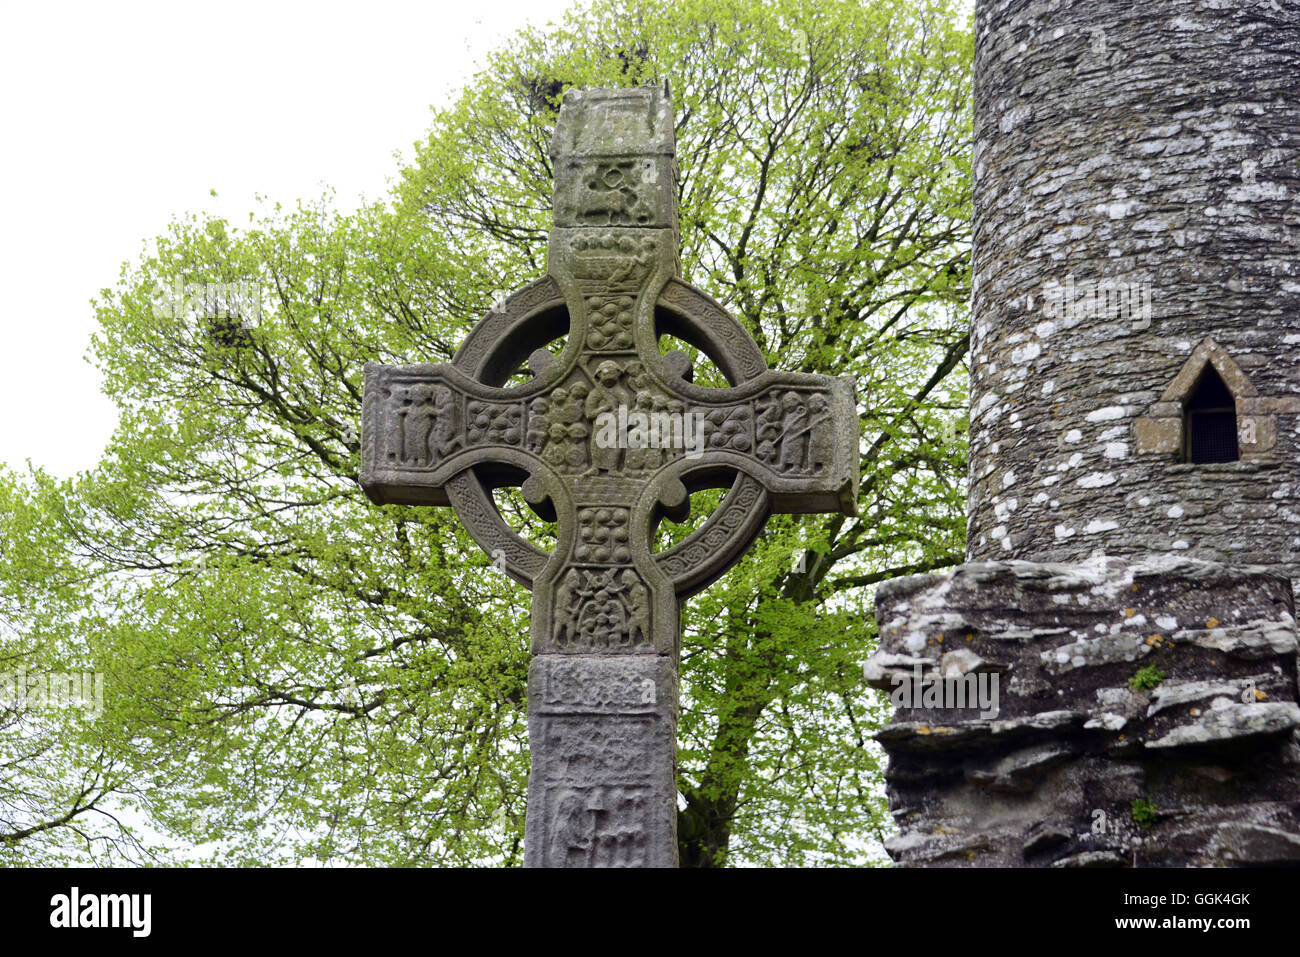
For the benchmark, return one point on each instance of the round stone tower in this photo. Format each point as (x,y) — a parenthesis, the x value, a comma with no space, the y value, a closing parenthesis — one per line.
(1135,341)
(1111,679)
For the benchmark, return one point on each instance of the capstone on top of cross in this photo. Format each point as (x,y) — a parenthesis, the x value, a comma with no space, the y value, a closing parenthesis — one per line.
(614,155)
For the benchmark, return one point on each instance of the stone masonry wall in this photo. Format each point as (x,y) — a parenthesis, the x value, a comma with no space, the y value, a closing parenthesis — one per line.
(1129,618)
(1155,147)
(1050,780)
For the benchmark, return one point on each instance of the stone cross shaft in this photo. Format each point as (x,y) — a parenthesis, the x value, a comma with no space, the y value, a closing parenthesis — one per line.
(606,437)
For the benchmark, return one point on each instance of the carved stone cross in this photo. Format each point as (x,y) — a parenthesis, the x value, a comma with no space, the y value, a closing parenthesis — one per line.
(606,438)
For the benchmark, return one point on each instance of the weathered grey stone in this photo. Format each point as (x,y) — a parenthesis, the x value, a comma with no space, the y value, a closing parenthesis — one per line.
(887,672)
(1106,721)
(1254,844)
(923,736)
(1150,151)
(1044,837)
(1232,723)
(1073,742)
(1176,693)
(1022,770)
(1100,651)
(1118,698)
(606,438)
(1135,230)
(963,661)
(1159,435)
(1250,640)
(1092,859)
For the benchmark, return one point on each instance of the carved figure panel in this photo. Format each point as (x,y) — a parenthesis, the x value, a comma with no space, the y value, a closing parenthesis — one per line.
(426,424)
(795,431)
(609,265)
(602,609)
(611,192)
(590,750)
(599,827)
(558,429)
(602,789)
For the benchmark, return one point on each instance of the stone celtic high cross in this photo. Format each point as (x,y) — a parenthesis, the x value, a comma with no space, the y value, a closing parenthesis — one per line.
(606,618)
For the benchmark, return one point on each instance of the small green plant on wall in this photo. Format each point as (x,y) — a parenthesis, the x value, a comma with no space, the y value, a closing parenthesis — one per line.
(1144,811)
(1146,678)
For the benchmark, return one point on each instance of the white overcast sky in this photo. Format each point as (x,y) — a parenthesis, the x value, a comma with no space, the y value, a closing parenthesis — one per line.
(116,116)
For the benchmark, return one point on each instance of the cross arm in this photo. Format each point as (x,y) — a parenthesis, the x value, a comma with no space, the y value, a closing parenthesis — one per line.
(795,433)
(421,425)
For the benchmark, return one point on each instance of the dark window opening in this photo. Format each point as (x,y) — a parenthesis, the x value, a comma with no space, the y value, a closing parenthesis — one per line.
(1210,421)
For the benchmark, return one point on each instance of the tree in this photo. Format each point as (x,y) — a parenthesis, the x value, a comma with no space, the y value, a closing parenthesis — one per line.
(293,673)
(60,772)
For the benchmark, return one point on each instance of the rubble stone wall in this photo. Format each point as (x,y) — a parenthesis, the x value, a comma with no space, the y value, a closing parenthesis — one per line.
(1137,221)
(1137,192)
(1206,744)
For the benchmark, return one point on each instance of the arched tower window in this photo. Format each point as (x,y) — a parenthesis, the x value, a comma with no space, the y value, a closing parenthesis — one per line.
(1210,412)
(1210,420)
